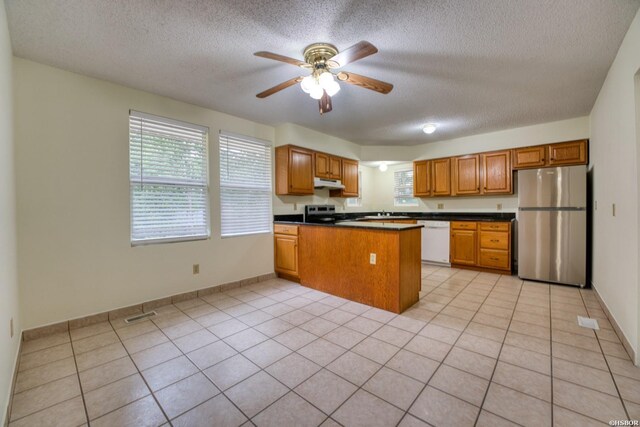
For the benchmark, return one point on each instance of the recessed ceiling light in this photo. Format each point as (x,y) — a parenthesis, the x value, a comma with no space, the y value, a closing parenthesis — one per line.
(429,128)
(383,167)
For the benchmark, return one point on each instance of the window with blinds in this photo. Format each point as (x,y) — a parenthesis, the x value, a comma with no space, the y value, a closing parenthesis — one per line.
(403,188)
(245,185)
(169,180)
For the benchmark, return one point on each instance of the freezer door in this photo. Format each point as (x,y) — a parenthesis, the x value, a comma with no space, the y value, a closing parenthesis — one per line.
(552,246)
(553,187)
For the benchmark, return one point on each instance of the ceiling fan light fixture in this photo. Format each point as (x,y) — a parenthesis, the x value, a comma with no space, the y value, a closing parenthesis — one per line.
(316,92)
(429,128)
(332,88)
(308,83)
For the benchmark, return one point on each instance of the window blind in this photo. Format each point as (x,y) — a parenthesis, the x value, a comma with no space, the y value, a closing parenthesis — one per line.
(403,188)
(245,185)
(168,176)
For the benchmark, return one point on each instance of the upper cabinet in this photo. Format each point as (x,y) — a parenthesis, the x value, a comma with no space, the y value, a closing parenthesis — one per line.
(466,175)
(491,173)
(422,178)
(568,153)
(529,157)
(297,166)
(294,170)
(559,154)
(349,180)
(441,175)
(327,166)
(497,177)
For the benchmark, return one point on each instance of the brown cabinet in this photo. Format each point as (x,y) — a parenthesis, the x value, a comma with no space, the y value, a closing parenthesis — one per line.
(327,166)
(463,247)
(481,245)
(466,175)
(568,153)
(441,175)
(497,176)
(422,178)
(294,170)
(285,241)
(558,154)
(529,157)
(349,180)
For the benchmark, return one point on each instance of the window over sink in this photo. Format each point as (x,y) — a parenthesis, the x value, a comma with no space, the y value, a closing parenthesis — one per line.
(403,188)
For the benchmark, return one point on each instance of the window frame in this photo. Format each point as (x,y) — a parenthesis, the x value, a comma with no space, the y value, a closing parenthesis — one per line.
(269,192)
(415,202)
(206,186)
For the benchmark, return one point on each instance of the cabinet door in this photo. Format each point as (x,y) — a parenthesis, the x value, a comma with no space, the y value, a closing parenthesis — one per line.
(300,171)
(441,175)
(335,167)
(463,247)
(422,178)
(286,254)
(322,165)
(350,178)
(466,175)
(496,173)
(568,153)
(529,157)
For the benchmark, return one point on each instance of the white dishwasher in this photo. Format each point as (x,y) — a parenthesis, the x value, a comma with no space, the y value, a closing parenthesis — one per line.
(435,242)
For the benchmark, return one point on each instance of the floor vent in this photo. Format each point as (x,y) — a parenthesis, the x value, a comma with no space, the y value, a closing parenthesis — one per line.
(587,322)
(135,318)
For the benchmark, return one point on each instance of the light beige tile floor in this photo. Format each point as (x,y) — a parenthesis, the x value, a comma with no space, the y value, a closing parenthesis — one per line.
(477,349)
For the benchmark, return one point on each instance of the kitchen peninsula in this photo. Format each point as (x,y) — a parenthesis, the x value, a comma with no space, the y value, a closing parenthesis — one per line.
(374,263)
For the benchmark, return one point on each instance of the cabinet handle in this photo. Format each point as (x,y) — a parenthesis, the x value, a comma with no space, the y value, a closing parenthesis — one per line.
(494,258)
(494,240)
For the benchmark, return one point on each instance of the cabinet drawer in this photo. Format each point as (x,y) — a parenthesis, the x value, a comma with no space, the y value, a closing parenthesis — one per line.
(494,226)
(463,225)
(285,229)
(494,240)
(494,259)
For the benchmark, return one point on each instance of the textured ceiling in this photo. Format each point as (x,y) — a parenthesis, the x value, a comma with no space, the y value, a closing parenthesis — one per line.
(472,66)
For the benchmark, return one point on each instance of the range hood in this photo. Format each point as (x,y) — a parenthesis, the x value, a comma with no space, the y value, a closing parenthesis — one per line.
(327,183)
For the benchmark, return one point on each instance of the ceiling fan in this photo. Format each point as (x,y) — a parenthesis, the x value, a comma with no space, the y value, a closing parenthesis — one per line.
(322,59)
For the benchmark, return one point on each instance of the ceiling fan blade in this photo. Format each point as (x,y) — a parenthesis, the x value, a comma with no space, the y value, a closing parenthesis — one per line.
(325,103)
(281,58)
(365,82)
(357,51)
(279,87)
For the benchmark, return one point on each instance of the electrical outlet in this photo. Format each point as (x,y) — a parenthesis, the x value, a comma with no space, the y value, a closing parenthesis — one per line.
(499,206)
(11,326)
(440,205)
(196,268)
(372,259)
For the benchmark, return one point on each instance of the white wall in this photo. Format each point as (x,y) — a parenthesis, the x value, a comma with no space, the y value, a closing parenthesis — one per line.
(614,165)
(296,135)
(9,307)
(74,253)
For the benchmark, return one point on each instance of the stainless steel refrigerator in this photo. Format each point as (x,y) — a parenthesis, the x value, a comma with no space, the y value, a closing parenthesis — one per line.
(552,224)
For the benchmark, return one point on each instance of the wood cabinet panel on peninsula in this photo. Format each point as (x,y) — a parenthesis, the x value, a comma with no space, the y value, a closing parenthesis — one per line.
(294,171)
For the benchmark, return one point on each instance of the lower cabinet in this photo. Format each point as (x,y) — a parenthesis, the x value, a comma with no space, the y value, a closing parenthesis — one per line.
(482,245)
(463,245)
(285,241)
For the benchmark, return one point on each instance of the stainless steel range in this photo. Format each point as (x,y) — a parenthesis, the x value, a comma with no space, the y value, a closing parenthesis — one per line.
(320,214)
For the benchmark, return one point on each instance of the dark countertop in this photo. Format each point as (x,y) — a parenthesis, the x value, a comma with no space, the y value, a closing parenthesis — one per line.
(390,226)
(433,216)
